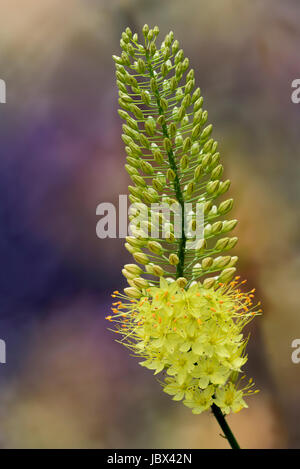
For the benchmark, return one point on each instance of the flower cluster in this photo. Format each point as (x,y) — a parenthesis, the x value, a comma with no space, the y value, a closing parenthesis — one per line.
(194,336)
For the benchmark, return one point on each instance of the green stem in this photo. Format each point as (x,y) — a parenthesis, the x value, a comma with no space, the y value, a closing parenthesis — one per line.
(225,427)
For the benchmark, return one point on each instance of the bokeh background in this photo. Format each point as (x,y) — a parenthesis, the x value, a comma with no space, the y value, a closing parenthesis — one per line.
(66,382)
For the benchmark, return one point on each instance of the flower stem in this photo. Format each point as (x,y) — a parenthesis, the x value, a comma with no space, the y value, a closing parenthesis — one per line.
(225,427)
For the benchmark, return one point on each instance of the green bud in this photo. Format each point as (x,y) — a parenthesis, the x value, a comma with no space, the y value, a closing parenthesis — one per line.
(196,95)
(146,98)
(144,141)
(200,246)
(184,162)
(221,261)
(178,57)
(198,173)
(150,126)
(225,206)
(229,225)
(140,282)
(206,132)
(135,162)
(133,269)
(132,292)
(155,247)
(217,172)
(212,187)
(221,244)
(172,129)
(207,146)
(141,258)
(209,282)
(197,270)
(190,189)
(181,282)
(216,227)
(224,186)
(139,181)
(171,175)
(204,117)
(173,259)
(232,242)
(189,86)
(128,275)
(195,148)
(186,144)
(227,274)
(135,242)
(207,263)
(157,270)
(206,159)
(195,131)
(175,46)
(207,230)
(167,144)
(136,111)
(131,249)
(131,170)
(145,30)
(146,167)
(198,104)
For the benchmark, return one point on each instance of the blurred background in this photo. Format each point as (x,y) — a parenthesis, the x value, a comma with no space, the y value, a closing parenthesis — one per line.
(66,382)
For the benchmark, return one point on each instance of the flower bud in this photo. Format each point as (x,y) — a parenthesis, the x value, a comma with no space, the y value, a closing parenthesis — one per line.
(140,282)
(171,175)
(212,187)
(232,242)
(233,261)
(186,144)
(167,144)
(216,227)
(224,186)
(207,262)
(226,274)
(229,225)
(139,181)
(221,261)
(155,247)
(182,282)
(128,275)
(209,282)
(173,259)
(141,258)
(200,246)
(221,244)
(197,270)
(198,104)
(132,292)
(145,30)
(157,270)
(195,131)
(217,172)
(135,242)
(133,269)
(225,206)
(184,162)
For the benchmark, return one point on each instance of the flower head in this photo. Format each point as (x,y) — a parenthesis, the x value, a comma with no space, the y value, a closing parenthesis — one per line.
(194,336)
